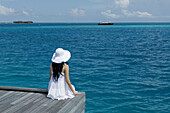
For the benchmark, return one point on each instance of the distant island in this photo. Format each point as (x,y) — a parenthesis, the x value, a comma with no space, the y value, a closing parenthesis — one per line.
(28,22)
(105,23)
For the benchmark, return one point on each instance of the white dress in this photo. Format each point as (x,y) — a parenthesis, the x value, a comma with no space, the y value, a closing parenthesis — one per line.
(59,89)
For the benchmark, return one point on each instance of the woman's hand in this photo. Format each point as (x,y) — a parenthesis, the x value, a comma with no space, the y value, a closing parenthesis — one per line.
(77,93)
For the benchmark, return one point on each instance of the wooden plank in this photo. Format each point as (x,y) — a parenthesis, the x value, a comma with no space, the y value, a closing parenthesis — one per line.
(84,100)
(11,98)
(37,102)
(39,107)
(23,89)
(71,103)
(77,105)
(24,108)
(67,106)
(46,105)
(6,97)
(57,107)
(72,108)
(6,103)
(2,93)
(6,94)
(28,104)
(77,108)
(17,104)
(5,106)
(54,102)
(22,98)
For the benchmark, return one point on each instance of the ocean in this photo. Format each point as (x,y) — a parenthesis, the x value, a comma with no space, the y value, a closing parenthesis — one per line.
(123,68)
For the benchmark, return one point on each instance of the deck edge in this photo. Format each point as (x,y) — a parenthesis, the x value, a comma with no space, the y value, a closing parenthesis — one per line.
(23,89)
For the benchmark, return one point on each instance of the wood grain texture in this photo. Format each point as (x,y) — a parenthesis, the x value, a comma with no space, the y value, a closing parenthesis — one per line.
(31,100)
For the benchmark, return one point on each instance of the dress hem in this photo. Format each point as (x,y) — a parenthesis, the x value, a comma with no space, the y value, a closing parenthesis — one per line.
(63,98)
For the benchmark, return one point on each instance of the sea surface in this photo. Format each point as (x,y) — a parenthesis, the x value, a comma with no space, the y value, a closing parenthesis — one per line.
(123,68)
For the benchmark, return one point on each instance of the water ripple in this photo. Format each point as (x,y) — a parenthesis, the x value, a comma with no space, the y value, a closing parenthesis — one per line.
(123,68)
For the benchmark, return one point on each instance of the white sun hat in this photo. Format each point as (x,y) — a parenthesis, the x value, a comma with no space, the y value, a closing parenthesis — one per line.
(61,55)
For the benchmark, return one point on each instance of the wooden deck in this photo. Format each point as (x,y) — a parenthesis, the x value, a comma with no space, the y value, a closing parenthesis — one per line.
(31,100)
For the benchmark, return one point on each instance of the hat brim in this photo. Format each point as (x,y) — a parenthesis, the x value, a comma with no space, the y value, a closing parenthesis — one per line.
(64,58)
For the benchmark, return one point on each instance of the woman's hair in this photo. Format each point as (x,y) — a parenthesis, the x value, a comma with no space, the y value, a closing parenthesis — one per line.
(57,69)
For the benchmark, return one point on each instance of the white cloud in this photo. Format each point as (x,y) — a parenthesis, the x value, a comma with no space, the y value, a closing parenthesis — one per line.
(82,12)
(25,13)
(136,14)
(74,11)
(5,11)
(143,14)
(77,12)
(122,3)
(109,14)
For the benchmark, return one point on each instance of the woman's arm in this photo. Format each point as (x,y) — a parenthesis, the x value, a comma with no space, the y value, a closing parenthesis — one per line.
(66,71)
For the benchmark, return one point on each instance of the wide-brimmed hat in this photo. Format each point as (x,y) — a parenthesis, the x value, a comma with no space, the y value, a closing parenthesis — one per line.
(61,55)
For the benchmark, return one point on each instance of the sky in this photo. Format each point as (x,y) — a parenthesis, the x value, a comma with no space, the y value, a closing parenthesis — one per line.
(85,10)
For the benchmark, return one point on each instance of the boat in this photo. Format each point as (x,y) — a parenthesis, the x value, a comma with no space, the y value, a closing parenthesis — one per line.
(105,23)
(23,22)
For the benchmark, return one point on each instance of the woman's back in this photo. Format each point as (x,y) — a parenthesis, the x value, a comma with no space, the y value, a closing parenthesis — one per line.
(60,86)
(59,89)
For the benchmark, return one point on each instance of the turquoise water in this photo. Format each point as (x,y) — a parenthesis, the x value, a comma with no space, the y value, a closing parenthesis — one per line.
(124,68)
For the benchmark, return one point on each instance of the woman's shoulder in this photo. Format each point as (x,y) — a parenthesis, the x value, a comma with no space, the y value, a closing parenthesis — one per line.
(66,66)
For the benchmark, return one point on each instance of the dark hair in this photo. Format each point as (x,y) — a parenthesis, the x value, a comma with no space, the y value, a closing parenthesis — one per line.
(57,69)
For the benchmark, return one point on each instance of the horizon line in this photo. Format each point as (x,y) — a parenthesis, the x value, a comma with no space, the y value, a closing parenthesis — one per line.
(100,22)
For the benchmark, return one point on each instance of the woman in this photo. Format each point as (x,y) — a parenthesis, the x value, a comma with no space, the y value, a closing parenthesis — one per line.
(60,86)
